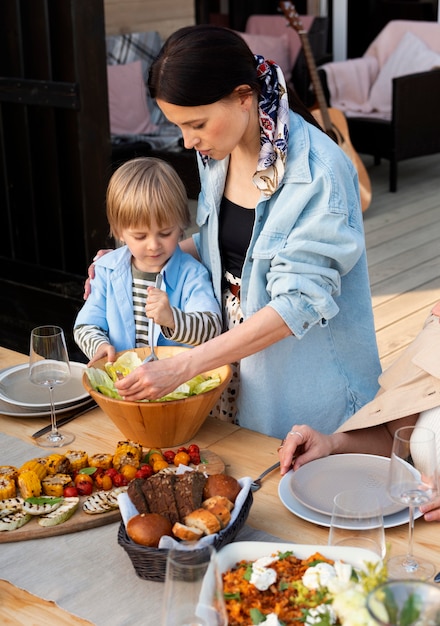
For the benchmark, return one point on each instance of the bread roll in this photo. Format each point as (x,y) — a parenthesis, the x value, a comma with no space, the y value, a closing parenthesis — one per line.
(147,529)
(221,485)
(187,533)
(203,520)
(221,512)
(207,504)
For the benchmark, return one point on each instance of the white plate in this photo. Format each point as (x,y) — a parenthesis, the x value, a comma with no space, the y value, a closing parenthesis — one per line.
(15,411)
(315,484)
(16,389)
(309,515)
(229,555)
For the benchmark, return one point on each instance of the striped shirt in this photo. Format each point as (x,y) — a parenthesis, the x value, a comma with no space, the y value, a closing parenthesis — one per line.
(189,328)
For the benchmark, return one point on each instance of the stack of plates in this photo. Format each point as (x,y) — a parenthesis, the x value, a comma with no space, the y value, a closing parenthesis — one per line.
(21,398)
(309,491)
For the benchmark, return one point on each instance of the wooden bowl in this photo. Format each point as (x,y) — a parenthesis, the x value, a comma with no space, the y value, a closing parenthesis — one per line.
(160,424)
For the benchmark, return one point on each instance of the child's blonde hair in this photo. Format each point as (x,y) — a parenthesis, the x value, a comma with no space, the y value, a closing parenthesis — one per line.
(143,190)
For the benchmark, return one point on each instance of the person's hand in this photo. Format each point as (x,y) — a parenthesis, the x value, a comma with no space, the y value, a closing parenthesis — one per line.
(91,272)
(158,307)
(301,445)
(104,350)
(431,510)
(153,380)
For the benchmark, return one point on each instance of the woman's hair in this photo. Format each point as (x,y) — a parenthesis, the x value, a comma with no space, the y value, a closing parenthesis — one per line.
(203,64)
(144,190)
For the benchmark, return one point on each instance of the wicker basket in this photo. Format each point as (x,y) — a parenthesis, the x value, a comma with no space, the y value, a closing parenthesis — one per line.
(150,563)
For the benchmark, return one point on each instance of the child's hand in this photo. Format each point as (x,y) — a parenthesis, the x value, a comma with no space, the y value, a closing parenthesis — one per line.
(158,307)
(104,350)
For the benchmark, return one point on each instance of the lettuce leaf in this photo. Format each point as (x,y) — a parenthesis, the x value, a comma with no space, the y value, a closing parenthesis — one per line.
(103,381)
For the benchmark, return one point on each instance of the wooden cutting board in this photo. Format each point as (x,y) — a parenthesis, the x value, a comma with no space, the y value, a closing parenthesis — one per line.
(82,521)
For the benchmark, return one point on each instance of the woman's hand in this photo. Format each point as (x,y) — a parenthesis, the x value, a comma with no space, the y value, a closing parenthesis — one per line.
(91,272)
(301,445)
(431,510)
(153,380)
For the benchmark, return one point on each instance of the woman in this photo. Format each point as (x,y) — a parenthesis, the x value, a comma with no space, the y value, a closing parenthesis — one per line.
(409,394)
(280,230)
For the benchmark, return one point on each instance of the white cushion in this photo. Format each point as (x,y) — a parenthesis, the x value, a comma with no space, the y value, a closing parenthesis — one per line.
(272,49)
(127,98)
(410,56)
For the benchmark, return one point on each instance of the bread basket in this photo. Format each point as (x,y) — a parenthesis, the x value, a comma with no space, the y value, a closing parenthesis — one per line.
(150,563)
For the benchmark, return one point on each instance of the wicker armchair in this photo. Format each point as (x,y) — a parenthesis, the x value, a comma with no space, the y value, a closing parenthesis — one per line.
(412,127)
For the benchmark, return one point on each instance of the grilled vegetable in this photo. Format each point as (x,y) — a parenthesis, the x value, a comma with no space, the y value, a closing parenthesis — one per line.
(78,459)
(57,464)
(54,485)
(101,460)
(41,506)
(36,465)
(127,453)
(11,504)
(102,501)
(15,520)
(7,487)
(29,484)
(61,514)
(8,471)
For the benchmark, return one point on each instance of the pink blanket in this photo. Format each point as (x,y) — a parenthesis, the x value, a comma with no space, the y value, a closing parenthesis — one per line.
(363,85)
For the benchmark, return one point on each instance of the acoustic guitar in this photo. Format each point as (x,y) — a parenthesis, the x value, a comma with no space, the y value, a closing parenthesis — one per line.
(331,120)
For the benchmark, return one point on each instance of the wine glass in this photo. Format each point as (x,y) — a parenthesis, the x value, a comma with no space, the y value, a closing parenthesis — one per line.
(412,481)
(49,366)
(193,594)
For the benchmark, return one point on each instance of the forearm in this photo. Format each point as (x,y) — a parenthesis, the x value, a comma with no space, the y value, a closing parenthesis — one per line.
(188,246)
(258,332)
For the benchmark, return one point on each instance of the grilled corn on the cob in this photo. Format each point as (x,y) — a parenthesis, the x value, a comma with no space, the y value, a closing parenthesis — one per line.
(57,464)
(8,471)
(78,459)
(127,453)
(36,465)
(29,484)
(7,488)
(104,461)
(54,485)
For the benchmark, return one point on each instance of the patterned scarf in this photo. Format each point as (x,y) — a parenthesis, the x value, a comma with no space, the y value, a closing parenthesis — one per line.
(273,109)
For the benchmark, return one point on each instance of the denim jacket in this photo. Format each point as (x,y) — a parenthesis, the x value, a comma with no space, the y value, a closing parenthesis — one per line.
(110,304)
(307,260)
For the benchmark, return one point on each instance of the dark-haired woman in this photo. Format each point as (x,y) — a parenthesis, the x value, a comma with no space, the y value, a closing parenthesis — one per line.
(280,230)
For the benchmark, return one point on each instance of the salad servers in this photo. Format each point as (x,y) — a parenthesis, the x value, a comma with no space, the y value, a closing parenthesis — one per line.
(152,356)
(256,484)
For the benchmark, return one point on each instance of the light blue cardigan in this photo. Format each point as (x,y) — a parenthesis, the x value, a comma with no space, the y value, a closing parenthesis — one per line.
(307,260)
(110,304)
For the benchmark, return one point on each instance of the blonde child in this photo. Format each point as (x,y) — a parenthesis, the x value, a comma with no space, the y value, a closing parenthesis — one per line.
(147,209)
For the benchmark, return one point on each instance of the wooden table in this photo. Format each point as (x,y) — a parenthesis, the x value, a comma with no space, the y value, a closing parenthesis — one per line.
(245,453)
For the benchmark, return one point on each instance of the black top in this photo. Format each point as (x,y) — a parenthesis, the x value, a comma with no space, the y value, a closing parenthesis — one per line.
(236,224)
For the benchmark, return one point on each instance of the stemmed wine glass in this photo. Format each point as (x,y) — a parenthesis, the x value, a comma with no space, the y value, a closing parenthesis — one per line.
(49,366)
(412,481)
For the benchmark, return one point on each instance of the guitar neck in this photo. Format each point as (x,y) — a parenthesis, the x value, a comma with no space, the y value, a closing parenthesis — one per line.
(317,87)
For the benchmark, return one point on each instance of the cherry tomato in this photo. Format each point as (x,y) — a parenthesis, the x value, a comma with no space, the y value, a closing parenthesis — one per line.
(182,449)
(129,471)
(119,480)
(98,477)
(193,448)
(107,482)
(194,458)
(156,456)
(169,455)
(181,458)
(145,471)
(111,472)
(70,492)
(84,484)
(159,465)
